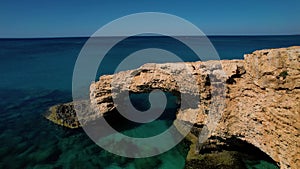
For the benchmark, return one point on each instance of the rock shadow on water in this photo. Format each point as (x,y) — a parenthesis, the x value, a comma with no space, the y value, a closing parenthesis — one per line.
(231,153)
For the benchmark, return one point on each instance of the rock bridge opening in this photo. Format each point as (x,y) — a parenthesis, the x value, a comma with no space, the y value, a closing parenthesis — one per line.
(140,102)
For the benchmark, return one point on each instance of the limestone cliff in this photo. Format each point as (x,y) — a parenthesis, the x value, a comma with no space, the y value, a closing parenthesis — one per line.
(263,105)
(261,95)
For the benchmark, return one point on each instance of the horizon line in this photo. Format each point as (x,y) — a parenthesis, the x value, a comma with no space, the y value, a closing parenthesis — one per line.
(70,37)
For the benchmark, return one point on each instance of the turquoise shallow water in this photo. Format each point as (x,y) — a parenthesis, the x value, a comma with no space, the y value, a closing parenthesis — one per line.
(36,74)
(30,141)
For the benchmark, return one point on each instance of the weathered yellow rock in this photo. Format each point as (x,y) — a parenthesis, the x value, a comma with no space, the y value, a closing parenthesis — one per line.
(261,95)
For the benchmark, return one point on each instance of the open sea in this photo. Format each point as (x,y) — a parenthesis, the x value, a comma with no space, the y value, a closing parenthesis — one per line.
(37,73)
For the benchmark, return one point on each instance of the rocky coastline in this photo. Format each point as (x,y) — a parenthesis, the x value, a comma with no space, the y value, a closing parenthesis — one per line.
(261,100)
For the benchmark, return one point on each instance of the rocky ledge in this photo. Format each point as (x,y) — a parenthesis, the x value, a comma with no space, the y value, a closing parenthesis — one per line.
(261,99)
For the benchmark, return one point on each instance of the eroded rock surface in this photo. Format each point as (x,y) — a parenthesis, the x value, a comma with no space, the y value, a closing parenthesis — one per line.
(260,97)
(263,108)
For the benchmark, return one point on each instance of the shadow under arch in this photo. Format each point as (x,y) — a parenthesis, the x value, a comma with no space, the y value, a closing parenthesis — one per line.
(231,152)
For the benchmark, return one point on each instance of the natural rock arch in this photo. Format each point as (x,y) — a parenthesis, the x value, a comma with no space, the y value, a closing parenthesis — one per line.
(262,104)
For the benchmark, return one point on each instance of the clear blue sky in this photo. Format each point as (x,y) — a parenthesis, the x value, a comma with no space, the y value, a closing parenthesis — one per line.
(55,18)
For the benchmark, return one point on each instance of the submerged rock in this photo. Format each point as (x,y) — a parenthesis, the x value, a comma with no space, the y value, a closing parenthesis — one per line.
(261,98)
(63,114)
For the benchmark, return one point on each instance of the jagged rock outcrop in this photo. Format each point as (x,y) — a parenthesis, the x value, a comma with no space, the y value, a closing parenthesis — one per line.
(260,97)
(65,114)
(263,105)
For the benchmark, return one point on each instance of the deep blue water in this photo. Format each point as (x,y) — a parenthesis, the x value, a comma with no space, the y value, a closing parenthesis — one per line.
(37,73)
